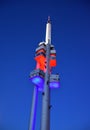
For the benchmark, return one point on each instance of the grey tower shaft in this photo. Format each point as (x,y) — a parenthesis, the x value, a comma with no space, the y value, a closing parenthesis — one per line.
(45,117)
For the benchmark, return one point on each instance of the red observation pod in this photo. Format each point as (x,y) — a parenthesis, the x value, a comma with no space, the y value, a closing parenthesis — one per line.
(40,57)
(52,56)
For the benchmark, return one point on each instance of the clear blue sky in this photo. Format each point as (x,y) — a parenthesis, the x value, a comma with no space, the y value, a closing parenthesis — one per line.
(22,26)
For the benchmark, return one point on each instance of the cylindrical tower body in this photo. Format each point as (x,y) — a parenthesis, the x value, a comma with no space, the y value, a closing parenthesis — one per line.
(45,116)
(33,109)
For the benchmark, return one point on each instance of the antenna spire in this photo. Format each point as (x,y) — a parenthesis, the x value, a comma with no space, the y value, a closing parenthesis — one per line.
(49,21)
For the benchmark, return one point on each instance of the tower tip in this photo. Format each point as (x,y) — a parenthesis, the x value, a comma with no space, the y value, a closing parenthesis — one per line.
(49,21)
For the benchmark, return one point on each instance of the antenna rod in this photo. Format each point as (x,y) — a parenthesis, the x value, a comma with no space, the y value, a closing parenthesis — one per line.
(48,31)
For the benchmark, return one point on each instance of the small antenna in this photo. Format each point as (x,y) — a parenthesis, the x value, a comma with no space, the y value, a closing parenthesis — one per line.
(49,21)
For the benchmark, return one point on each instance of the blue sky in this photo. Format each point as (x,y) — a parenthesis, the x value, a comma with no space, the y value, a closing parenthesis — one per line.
(22,27)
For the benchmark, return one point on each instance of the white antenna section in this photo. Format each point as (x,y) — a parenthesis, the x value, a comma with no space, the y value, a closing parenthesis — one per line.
(48,31)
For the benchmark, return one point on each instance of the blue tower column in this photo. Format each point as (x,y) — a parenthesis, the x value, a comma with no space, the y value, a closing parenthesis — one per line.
(33,109)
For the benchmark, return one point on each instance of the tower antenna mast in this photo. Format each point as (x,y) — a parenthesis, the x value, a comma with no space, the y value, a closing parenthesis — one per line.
(43,79)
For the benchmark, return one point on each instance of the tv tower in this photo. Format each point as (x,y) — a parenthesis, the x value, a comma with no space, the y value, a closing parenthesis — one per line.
(43,79)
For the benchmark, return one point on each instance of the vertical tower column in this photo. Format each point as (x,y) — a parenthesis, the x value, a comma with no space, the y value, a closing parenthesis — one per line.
(45,116)
(33,109)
